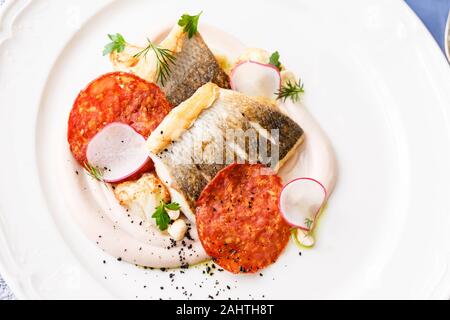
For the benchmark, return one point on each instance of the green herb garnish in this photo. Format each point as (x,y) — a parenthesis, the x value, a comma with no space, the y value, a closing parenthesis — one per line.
(308,223)
(172,206)
(275,60)
(190,23)
(118,44)
(162,217)
(94,172)
(164,58)
(292,90)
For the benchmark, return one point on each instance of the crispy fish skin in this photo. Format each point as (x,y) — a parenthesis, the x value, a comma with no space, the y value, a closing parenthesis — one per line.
(192,157)
(267,115)
(195,65)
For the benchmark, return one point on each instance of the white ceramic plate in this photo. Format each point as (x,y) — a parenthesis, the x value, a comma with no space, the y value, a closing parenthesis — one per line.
(376,82)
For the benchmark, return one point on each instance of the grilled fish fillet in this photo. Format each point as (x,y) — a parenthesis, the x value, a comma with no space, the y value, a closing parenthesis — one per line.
(193,142)
(195,65)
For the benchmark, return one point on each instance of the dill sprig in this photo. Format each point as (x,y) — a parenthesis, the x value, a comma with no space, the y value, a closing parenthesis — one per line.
(308,223)
(94,172)
(164,58)
(292,90)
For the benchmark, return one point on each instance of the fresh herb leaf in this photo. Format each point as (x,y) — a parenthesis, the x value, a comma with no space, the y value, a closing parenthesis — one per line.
(172,206)
(94,172)
(164,58)
(162,217)
(275,60)
(190,23)
(292,90)
(308,223)
(118,44)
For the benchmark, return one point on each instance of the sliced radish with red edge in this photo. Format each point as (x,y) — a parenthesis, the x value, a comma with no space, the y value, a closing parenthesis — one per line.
(256,79)
(118,151)
(301,200)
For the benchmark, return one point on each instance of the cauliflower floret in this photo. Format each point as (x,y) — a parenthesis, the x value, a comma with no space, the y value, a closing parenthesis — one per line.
(288,76)
(178,229)
(146,65)
(254,54)
(141,197)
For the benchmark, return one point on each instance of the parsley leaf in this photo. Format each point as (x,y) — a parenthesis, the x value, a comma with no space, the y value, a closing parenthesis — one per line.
(118,44)
(275,60)
(190,23)
(172,206)
(162,217)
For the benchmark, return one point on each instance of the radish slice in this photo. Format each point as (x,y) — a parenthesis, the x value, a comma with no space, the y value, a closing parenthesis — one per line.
(256,79)
(301,201)
(118,151)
